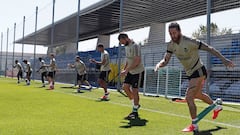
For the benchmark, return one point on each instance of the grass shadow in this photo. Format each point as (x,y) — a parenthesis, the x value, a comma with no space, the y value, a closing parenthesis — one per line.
(209,132)
(102,100)
(135,122)
(76,92)
(68,87)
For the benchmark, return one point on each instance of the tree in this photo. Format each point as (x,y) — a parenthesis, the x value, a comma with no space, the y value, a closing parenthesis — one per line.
(202,31)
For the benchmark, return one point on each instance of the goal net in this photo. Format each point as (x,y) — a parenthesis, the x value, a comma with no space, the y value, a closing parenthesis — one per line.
(165,82)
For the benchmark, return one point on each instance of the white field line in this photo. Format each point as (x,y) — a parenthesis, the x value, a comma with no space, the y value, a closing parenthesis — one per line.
(156,111)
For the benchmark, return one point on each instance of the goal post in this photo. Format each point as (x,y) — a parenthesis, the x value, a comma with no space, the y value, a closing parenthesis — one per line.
(165,82)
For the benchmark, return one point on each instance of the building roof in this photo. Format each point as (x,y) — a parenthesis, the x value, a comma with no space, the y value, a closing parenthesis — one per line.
(102,18)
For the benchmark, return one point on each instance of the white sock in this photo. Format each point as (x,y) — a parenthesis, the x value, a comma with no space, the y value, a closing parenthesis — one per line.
(135,106)
(218,107)
(132,101)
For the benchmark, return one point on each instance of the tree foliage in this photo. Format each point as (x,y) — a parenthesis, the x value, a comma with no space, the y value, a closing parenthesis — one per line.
(215,31)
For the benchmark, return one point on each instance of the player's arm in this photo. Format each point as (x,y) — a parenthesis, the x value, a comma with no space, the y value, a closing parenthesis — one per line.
(137,61)
(125,66)
(213,51)
(123,72)
(164,61)
(102,62)
(71,65)
(84,67)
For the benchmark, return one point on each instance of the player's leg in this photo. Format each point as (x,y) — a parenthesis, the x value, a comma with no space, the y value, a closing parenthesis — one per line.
(28,78)
(203,96)
(103,83)
(194,87)
(50,80)
(42,78)
(127,90)
(127,87)
(85,81)
(53,77)
(18,77)
(136,104)
(135,81)
(79,81)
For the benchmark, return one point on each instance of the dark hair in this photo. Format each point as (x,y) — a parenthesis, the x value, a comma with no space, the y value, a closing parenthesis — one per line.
(100,45)
(24,60)
(40,58)
(122,35)
(51,54)
(174,25)
(16,60)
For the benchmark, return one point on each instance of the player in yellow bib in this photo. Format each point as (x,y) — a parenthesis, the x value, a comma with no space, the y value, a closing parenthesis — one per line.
(187,51)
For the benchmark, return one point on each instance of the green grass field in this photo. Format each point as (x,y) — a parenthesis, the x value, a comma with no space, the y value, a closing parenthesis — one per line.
(30,110)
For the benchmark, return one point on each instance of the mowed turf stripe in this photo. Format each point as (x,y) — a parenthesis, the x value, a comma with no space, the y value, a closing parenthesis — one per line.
(155,111)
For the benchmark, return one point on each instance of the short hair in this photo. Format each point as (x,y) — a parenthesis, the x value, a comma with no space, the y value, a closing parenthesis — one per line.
(100,45)
(16,60)
(24,60)
(122,35)
(77,56)
(174,25)
(40,58)
(52,54)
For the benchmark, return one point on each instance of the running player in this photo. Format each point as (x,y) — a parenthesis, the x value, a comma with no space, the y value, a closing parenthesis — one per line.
(43,70)
(81,73)
(134,72)
(52,67)
(28,71)
(187,51)
(105,70)
(20,70)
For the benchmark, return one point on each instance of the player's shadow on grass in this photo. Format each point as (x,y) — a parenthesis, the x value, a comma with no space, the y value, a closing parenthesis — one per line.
(209,132)
(135,122)
(102,100)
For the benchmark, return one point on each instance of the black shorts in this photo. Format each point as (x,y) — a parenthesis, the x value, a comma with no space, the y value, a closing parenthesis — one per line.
(20,74)
(135,80)
(44,74)
(104,75)
(52,74)
(28,73)
(81,77)
(198,73)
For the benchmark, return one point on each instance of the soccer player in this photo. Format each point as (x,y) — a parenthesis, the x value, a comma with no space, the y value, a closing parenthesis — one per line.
(105,70)
(52,67)
(187,51)
(28,71)
(81,73)
(134,72)
(20,70)
(43,70)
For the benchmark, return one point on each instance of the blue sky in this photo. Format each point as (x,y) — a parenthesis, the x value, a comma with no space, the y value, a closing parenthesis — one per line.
(12,11)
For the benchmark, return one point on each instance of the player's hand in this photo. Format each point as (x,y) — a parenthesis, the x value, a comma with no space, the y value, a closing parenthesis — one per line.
(228,63)
(92,60)
(124,72)
(160,64)
(69,65)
